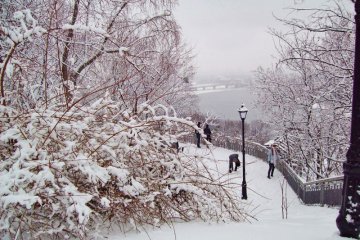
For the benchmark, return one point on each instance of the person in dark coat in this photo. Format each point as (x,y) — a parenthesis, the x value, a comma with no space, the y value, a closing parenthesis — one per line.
(207,132)
(198,135)
(234,158)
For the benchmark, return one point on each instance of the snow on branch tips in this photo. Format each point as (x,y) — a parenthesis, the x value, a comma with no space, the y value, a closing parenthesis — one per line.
(123,51)
(24,31)
(84,28)
(26,28)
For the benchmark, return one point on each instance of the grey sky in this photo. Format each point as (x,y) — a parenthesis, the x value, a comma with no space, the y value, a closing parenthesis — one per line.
(231,36)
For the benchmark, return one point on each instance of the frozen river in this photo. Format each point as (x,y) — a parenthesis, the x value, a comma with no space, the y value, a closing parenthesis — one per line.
(225,103)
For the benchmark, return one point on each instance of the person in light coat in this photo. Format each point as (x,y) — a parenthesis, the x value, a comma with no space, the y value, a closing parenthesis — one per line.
(272,157)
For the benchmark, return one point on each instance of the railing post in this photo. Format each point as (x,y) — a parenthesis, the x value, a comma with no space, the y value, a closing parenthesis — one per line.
(303,186)
(322,189)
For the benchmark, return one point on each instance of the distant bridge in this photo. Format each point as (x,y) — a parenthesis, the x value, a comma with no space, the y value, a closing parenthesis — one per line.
(219,85)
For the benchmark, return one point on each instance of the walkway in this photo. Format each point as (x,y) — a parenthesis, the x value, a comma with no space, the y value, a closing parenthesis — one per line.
(264,202)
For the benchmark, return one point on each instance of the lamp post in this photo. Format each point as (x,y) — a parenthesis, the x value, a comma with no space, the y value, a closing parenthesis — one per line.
(348,221)
(242,112)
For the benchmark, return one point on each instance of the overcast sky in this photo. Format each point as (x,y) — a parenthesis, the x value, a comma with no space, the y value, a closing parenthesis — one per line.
(231,36)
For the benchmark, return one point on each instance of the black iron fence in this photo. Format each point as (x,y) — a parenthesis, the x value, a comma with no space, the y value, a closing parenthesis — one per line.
(324,192)
(251,148)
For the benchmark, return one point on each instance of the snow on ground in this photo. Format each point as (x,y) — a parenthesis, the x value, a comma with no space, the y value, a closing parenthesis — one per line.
(264,202)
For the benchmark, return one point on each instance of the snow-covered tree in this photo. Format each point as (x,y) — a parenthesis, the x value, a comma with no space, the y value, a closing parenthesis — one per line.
(89,92)
(308,93)
(89,46)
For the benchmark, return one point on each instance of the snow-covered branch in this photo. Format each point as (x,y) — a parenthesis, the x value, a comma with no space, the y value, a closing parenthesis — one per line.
(103,165)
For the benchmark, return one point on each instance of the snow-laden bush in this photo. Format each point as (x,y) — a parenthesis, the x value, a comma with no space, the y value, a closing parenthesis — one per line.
(64,174)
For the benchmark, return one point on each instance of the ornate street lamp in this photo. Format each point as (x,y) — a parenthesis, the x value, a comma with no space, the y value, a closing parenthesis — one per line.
(348,221)
(242,112)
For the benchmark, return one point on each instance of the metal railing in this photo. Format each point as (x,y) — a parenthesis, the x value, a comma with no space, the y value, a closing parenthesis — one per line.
(324,192)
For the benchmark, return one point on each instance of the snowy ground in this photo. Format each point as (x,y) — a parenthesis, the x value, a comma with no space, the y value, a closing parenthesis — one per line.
(264,200)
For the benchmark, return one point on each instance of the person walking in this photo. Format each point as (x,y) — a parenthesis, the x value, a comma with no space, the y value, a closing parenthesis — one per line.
(234,158)
(198,135)
(207,132)
(272,157)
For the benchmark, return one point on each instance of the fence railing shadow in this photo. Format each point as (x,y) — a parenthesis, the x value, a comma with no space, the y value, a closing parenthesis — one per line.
(324,192)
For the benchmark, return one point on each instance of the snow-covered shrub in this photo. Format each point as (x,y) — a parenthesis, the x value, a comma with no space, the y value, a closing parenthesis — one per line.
(65,173)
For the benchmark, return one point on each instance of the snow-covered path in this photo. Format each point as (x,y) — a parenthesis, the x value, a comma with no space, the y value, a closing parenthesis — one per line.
(264,202)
